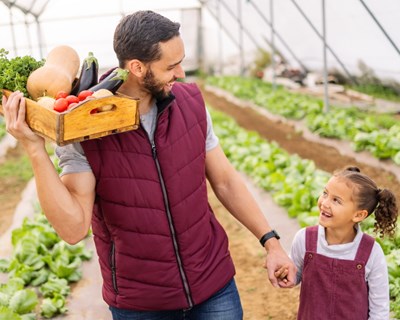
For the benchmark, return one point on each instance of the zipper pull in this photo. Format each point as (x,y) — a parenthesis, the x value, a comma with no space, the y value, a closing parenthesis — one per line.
(154,151)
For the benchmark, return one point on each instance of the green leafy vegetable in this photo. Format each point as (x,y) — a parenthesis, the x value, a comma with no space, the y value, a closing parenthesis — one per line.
(23,301)
(14,72)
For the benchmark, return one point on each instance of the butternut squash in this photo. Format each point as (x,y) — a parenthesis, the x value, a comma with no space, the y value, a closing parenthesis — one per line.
(57,74)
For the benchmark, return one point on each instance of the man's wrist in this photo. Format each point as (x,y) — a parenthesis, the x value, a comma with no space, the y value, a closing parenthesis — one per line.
(269,235)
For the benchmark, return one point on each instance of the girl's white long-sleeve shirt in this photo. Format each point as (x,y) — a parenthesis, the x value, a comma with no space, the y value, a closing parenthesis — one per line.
(376,272)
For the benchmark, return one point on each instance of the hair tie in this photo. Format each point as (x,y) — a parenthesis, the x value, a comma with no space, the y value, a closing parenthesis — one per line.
(378,194)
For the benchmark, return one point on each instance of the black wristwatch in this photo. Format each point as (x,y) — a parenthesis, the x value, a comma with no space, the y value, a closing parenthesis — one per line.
(269,235)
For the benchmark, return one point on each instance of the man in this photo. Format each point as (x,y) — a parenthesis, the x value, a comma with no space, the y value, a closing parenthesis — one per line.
(162,253)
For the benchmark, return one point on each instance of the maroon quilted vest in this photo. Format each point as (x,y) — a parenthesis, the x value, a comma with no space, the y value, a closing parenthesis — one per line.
(159,244)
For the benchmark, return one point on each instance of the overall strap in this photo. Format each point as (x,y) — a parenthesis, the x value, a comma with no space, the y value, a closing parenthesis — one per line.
(365,248)
(311,238)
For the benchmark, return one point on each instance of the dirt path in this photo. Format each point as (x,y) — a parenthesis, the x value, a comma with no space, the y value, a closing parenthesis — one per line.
(10,191)
(260,300)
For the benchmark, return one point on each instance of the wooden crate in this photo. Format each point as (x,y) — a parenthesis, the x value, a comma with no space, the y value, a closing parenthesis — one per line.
(82,122)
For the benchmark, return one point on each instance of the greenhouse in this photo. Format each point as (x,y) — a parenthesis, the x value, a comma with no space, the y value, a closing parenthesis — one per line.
(141,166)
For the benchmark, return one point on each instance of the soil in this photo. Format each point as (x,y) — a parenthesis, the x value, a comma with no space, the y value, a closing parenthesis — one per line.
(260,300)
(10,192)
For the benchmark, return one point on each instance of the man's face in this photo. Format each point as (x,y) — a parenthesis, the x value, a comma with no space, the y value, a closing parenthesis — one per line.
(162,74)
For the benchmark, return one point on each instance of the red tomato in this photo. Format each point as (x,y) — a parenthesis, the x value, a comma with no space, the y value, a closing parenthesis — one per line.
(71,105)
(61,104)
(84,94)
(61,94)
(72,99)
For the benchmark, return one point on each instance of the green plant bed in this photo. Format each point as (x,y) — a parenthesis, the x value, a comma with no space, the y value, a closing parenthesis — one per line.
(377,91)
(41,267)
(39,272)
(377,133)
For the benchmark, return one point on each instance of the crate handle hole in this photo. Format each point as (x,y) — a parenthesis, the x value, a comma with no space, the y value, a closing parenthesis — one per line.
(102,109)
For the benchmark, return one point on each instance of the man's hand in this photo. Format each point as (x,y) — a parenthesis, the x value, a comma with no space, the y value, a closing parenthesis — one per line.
(281,269)
(14,113)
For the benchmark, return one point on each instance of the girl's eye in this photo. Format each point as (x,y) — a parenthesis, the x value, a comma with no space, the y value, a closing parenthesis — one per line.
(337,200)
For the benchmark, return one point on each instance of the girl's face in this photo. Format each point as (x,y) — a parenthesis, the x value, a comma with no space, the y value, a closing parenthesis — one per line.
(336,205)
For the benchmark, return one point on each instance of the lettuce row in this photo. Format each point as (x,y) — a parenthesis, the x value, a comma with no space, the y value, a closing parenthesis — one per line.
(39,271)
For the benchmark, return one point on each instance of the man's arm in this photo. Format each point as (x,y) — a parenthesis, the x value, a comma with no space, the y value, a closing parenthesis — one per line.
(67,202)
(234,195)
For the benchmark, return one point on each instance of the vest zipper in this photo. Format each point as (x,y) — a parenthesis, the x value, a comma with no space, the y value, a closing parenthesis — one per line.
(113,268)
(171,226)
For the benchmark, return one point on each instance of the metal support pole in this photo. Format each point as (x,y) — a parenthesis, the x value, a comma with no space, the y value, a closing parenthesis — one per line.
(13,32)
(327,46)
(271,13)
(28,35)
(200,48)
(220,47)
(233,39)
(380,27)
(326,89)
(40,38)
(240,24)
(278,36)
(249,35)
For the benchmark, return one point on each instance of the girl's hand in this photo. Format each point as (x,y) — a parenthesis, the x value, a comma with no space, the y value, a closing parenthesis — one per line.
(281,275)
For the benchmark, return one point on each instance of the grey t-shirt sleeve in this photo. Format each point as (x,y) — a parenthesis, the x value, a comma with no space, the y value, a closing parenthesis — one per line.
(72,158)
(211,139)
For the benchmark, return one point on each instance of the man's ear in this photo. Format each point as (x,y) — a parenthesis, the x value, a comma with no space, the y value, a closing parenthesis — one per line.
(136,67)
(360,215)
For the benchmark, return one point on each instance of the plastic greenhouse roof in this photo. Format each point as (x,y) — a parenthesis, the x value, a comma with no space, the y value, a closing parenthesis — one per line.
(34,7)
(357,31)
(37,7)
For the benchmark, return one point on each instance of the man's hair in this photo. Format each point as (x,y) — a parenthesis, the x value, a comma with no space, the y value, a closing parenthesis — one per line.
(138,35)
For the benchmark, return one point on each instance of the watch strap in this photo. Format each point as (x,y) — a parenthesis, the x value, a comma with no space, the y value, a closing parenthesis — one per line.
(269,235)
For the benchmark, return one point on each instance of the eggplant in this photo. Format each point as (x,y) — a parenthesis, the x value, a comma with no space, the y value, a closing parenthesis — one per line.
(112,81)
(88,76)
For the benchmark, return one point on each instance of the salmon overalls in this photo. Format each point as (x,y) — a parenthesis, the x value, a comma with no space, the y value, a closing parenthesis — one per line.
(333,289)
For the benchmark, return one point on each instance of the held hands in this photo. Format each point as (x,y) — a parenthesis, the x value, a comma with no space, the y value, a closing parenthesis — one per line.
(14,113)
(281,269)
(282,274)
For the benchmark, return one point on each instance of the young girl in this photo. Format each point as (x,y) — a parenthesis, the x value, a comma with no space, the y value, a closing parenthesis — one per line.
(343,271)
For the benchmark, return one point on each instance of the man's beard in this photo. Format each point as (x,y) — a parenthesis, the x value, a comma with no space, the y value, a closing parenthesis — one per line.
(154,87)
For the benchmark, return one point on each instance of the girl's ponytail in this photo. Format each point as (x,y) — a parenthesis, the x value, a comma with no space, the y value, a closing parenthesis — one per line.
(386,213)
